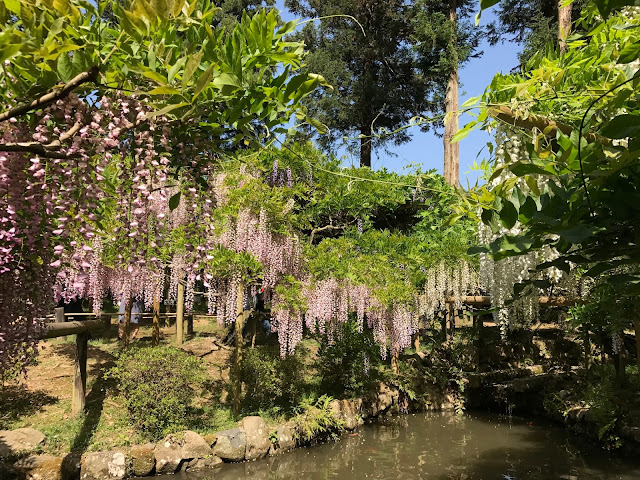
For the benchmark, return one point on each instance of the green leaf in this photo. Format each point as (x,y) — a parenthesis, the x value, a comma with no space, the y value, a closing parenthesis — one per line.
(508,214)
(175,68)
(13,6)
(317,124)
(165,110)
(203,81)
(630,53)
(520,169)
(577,234)
(191,67)
(174,201)
(65,67)
(622,126)
(227,79)
(606,6)
(460,134)
(155,76)
(484,4)
(164,90)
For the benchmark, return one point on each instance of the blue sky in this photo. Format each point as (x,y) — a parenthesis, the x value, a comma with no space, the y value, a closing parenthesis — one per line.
(427,149)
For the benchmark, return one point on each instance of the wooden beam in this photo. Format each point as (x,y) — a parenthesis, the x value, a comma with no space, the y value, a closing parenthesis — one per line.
(53,330)
(486,300)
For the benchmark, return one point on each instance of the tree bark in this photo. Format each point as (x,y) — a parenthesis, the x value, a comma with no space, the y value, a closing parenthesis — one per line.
(365,147)
(239,325)
(452,150)
(564,25)
(394,363)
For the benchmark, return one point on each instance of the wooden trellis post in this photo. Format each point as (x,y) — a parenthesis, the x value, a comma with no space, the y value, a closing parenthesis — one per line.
(79,394)
(180,315)
(59,316)
(155,339)
(81,330)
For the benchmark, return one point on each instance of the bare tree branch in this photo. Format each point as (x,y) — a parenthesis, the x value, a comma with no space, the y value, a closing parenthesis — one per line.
(49,150)
(544,124)
(89,76)
(331,226)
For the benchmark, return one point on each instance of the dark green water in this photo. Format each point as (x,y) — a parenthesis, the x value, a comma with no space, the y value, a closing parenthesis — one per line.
(440,447)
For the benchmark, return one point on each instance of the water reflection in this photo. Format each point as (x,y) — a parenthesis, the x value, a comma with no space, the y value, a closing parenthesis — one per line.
(439,447)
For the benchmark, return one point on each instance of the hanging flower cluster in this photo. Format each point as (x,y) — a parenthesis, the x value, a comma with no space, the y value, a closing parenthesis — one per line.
(445,282)
(50,205)
(499,277)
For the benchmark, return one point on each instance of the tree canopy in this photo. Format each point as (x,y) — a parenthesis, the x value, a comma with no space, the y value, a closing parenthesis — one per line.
(388,64)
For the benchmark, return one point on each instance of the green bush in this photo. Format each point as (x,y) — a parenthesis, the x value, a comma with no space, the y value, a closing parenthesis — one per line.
(348,365)
(272,383)
(159,385)
(314,420)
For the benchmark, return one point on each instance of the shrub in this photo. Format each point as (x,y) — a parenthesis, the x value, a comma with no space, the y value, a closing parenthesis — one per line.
(347,365)
(272,383)
(315,420)
(159,385)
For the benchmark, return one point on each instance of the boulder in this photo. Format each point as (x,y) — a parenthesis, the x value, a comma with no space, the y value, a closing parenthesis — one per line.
(21,440)
(40,467)
(230,445)
(176,451)
(285,440)
(103,466)
(168,455)
(210,438)
(381,401)
(143,459)
(207,463)
(195,446)
(257,438)
(348,412)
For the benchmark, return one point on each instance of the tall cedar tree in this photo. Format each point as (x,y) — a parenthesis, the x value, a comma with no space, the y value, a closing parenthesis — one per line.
(397,70)
(533,23)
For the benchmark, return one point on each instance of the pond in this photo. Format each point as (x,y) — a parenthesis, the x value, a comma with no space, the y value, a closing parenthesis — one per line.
(440,446)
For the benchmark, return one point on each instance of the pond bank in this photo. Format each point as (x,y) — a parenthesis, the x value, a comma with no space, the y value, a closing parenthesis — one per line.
(252,439)
(439,446)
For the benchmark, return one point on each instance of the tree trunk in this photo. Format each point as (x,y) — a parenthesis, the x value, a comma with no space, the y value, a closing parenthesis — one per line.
(155,339)
(394,362)
(239,325)
(365,147)
(452,150)
(564,25)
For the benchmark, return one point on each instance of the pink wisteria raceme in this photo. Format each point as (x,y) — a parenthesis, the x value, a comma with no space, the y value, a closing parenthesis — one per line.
(50,204)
